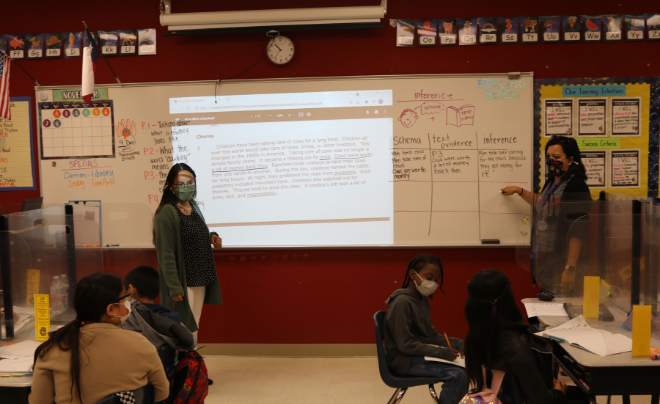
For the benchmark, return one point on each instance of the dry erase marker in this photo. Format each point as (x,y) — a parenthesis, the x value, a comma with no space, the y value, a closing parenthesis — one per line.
(113,245)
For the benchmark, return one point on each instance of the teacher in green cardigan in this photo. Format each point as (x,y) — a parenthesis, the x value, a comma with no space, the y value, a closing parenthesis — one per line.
(186,268)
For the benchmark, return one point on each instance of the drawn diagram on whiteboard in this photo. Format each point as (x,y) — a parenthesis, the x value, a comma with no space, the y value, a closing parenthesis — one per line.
(463,115)
(408,118)
(125,131)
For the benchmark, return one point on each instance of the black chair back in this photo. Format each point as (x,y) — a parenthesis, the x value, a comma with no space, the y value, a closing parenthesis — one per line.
(379,319)
(167,356)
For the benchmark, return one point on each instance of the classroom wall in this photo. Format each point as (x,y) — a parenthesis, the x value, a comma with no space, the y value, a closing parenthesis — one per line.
(327,296)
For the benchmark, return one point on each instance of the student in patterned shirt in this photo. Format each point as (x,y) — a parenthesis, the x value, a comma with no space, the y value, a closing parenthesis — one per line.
(186,269)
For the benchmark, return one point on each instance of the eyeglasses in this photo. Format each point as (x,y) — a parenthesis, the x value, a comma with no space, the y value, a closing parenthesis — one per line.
(122,298)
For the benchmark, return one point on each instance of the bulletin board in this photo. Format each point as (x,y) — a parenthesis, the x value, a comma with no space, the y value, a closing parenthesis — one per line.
(615,122)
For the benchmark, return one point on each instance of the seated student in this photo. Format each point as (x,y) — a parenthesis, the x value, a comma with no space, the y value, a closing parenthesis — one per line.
(498,340)
(92,358)
(157,323)
(142,284)
(410,336)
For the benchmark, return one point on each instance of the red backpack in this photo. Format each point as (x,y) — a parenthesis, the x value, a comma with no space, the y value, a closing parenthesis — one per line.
(190,383)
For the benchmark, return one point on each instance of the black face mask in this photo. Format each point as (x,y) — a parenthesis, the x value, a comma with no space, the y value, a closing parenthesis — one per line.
(555,167)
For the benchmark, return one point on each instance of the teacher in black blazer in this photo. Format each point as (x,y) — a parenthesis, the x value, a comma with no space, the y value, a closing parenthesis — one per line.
(559,240)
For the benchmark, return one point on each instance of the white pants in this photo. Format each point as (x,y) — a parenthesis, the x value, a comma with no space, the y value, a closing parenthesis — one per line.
(196,300)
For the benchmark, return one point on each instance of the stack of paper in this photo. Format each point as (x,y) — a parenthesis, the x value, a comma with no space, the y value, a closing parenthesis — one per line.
(20,350)
(578,333)
(545,309)
(456,362)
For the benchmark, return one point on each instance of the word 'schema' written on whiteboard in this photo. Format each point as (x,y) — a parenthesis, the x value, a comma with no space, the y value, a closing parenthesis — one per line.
(365,161)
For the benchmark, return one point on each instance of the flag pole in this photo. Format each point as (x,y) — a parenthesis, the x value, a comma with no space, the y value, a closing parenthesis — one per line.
(101,53)
(21,67)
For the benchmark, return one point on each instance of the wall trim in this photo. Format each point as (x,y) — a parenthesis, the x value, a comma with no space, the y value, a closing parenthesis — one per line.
(289,350)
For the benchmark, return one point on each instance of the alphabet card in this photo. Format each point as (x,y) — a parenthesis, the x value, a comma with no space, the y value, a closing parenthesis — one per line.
(53,44)
(467,31)
(613,27)
(71,44)
(635,27)
(448,32)
(508,29)
(405,33)
(35,46)
(592,26)
(487,30)
(427,32)
(147,41)
(128,42)
(15,46)
(550,27)
(108,42)
(652,24)
(572,26)
(529,27)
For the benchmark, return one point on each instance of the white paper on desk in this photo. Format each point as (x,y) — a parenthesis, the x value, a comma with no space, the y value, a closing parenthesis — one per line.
(577,322)
(16,365)
(545,309)
(20,350)
(457,362)
(600,342)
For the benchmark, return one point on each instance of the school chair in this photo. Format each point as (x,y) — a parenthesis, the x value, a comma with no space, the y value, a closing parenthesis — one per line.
(167,356)
(143,395)
(400,383)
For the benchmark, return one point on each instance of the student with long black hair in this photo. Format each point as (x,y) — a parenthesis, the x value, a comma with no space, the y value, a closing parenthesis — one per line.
(186,268)
(91,357)
(558,245)
(410,335)
(498,340)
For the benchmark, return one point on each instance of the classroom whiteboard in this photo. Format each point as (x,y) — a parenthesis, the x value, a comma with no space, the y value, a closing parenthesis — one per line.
(346,161)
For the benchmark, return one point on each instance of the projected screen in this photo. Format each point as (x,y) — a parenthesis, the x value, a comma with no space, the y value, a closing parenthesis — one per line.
(294,169)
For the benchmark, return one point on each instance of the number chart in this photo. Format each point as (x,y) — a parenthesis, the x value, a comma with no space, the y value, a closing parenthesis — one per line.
(76,130)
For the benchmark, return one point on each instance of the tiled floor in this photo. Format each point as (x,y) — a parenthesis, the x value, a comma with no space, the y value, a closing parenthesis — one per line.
(311,381)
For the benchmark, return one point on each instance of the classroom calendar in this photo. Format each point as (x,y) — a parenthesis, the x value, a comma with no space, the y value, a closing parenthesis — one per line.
(76,129)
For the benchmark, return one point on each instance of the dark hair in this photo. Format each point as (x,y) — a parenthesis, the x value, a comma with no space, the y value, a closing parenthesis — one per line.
(168,196)
(571,149)
(418,263)
(490,302)
(92,296)
(145,280)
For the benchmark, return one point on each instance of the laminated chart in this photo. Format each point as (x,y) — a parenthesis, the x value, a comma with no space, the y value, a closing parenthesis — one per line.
(76,130)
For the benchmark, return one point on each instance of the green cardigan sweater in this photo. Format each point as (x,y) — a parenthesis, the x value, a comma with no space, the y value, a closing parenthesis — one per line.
(171,270)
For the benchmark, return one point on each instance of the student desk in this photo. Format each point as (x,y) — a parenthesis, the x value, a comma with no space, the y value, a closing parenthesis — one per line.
(15,389)
(614,375)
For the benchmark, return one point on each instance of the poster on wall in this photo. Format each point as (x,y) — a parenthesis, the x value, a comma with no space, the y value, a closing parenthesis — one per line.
(35,46)
(595,164)
(53,44)
(15,46)
(653,25)
(626,116)
(592,27)
(487,30)
(467,31)
(558,117)
(427,32)
(550,26)
(625,169)
(592,116)
(448,32)
(147,39)
(529,27)
(572,26)
(613,27)
(509,29)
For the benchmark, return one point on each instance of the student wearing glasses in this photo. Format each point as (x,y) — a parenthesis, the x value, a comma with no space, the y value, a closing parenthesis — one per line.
(91,357)
(186,269)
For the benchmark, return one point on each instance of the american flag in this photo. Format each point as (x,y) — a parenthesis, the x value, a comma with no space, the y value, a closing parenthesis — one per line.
(5,111)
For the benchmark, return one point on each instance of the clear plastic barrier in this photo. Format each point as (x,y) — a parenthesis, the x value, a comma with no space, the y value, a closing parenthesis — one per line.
(40,257)
(616,239)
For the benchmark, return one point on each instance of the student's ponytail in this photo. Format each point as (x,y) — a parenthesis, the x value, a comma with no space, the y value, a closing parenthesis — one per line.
(92,296)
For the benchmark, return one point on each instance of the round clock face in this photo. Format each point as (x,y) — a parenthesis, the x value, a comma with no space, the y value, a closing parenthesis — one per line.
(281,51)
